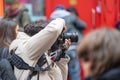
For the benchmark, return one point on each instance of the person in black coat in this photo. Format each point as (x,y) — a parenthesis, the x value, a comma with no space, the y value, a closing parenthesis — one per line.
(74,23)
(70,15)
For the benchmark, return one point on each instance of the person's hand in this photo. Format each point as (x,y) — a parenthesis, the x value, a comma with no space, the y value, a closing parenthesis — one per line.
(67,43)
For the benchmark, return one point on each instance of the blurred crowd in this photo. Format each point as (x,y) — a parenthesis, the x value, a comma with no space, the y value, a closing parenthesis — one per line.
(55,49)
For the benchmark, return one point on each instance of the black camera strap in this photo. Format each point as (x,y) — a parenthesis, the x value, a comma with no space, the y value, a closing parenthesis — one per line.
(37,72)
(38,67)
(19,63)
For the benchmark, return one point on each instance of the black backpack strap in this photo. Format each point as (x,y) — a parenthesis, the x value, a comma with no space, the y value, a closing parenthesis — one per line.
(38,67)
(19,63)
(38,70)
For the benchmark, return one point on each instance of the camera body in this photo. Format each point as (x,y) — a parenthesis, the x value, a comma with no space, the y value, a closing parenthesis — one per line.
(60,45)
(72,36)
(60,42)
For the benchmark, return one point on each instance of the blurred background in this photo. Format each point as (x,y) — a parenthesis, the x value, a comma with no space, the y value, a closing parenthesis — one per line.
(94,13)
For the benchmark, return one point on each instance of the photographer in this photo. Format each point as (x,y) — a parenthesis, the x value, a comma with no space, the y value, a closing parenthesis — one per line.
(30,49)
(57,55)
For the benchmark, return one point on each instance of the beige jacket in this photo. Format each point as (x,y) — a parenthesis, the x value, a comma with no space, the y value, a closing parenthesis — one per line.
(31,48)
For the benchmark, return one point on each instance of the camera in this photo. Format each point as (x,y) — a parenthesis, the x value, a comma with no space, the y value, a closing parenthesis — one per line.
(72,36)
(61,40)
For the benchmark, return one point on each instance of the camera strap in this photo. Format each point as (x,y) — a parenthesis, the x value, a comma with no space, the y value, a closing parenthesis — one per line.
(44,59)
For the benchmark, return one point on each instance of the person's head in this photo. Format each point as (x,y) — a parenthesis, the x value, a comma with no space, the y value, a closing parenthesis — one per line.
(59,12)
(11,4)
(33,28)
(8,32)
(59,7)
(72,10)
(99,51)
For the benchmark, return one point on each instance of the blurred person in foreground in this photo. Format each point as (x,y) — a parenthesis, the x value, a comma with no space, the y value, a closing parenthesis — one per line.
(99,54)
(16,12)
(30,49)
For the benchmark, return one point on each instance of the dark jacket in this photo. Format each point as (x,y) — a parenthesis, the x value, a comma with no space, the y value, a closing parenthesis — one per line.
(74,24)
(113,74)
(6,71)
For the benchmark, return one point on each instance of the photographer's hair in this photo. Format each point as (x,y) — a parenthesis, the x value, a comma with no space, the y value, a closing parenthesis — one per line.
(7,32)
(33,28)
(102,48)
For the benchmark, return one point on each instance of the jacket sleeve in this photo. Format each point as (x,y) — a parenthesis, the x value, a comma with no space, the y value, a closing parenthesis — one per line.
(63,65)
(79,24)
(43,40)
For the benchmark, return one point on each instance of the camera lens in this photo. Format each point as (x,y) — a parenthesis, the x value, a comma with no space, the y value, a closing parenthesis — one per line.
(72,36)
